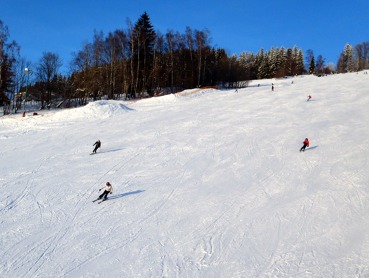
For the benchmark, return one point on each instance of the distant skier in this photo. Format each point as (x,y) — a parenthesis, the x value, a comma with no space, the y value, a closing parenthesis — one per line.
(97,145)
(309,97)
(107,189)
(272,87)
(306,144)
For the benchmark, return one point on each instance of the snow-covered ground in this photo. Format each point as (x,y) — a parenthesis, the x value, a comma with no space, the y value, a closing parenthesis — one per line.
(207,183)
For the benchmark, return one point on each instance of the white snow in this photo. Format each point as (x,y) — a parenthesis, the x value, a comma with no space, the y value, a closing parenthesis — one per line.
(207,183)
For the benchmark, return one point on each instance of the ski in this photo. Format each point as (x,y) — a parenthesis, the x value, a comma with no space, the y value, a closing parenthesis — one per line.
(102,201)
(95,200)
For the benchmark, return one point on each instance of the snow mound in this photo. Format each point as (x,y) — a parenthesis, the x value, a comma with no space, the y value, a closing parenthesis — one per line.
(51,119)
(170,98)
(174,98)
(96,109)
(197,92)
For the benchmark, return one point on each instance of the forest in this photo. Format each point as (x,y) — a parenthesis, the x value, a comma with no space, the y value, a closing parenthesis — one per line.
(139,62)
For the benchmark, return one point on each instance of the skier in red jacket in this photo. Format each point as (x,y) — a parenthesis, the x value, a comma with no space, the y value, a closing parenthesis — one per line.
(306,144)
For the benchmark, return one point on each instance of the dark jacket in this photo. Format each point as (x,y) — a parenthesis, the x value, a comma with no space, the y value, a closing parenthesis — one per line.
(98,144)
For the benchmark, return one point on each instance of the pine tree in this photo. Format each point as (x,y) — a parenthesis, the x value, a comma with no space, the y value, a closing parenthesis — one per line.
(312,65)
(258,62)
(309,58)
(281,61)
(144,39)
(295,53)
(346,62)
(6,81)
(264,70)
(348,53)
(289,62)
(300,63)
(7,58)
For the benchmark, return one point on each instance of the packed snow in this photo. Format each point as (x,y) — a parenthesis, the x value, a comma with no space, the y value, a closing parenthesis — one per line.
(206,183)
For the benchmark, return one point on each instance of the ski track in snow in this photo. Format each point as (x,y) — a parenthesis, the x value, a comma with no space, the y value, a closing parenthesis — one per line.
(207,183)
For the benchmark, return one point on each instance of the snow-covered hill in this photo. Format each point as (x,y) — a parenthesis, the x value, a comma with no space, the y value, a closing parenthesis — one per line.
(207,183)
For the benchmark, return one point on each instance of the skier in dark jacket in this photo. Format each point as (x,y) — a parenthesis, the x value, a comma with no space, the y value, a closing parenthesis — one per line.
(97,145)
(306,144)
(107,189)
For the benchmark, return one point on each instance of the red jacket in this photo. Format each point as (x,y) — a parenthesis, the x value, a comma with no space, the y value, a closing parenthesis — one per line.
(306,142)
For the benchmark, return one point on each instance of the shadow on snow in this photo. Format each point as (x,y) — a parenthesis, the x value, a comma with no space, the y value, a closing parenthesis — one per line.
(125,194)
(311,148)
(108,151)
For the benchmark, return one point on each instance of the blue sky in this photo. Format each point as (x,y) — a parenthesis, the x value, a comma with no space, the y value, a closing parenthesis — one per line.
(235,25)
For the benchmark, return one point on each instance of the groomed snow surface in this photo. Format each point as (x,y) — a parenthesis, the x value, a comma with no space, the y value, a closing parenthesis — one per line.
(207,183)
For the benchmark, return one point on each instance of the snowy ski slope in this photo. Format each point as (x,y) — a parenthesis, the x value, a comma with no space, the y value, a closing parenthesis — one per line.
(206,184)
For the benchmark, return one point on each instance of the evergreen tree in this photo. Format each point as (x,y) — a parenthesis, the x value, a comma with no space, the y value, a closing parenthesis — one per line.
(289,62)
(6,81)
(247,61)
(312,65)
(310,61)
(273,61)
(7,58)
(346,62)
(143,55)
(295,54)
(348,53)
(300,63)
(281,62)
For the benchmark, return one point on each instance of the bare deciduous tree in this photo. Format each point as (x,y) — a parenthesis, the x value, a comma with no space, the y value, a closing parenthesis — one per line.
(47,69)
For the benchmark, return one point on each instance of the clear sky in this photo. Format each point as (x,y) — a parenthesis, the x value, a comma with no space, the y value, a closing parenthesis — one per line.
(237,25)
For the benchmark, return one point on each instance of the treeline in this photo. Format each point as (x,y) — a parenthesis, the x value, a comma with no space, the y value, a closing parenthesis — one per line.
(354,58)
(139,62)
(277,62)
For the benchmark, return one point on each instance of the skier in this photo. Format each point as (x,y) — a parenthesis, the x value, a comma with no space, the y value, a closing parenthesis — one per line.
(309,97)
(306,144)
(272,87)
(107,189)
(97,145)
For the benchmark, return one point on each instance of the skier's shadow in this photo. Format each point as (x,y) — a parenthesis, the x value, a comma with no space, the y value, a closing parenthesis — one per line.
(126,194)
(311,148)
(110,151)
